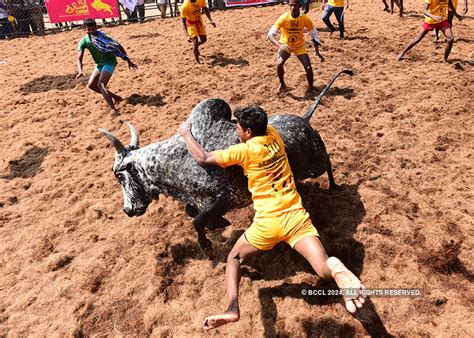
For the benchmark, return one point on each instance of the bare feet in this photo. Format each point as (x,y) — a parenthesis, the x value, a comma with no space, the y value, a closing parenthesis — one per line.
(114,112)
(117,99)
(213,322)
(400,57)
(282,88)
(309,93)
(345,279)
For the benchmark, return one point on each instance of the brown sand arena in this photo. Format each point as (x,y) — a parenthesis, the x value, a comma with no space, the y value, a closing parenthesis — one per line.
(401,139)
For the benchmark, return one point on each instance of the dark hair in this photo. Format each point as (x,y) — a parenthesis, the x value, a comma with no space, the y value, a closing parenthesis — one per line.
(89,23)
(254,118)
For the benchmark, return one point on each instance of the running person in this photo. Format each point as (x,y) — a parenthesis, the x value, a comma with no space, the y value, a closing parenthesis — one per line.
(451,16)
(399,4)
(194,25)
(336,7)
(292,25)
(279,212)
(436,16)
(104,51)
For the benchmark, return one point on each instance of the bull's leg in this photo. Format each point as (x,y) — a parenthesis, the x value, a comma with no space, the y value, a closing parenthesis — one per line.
(213,213)
(332,183)
(191,211)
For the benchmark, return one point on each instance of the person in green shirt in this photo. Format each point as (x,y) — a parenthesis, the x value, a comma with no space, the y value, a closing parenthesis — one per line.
(104,51)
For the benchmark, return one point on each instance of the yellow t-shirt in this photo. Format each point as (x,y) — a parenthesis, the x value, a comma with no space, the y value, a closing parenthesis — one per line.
(270,179)
(192,11)
(336,3)
(437,7)
(292,29)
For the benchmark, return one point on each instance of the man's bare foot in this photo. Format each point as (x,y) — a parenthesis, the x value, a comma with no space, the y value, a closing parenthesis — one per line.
(309,93)
(400,57)
(282,89)
(331,31)
(114,112)
(345,279)
(213,322)
(117,99)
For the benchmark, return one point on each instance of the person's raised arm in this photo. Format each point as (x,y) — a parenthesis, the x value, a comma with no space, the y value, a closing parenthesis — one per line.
(80,70)
(208,14)
(428,14)
(196,151)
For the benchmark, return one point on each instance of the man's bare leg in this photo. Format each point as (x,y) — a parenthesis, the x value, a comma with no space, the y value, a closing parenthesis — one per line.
(448,33)
(241,250)
(306,62)
(331,268)
(281,59)
(196,48)
(108,96)
(413,43)
(92,85)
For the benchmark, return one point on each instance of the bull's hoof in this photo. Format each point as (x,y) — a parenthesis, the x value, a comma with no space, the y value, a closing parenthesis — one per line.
(206,247)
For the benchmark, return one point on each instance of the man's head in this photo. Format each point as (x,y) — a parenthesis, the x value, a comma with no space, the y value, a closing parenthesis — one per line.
(90,26)
(251,121)
(294,8)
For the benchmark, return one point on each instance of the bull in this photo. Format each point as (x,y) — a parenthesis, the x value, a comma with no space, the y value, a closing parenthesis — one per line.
(166,167)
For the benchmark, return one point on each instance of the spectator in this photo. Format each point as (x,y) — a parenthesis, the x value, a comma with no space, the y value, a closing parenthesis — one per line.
(35,8)
(141,10)
(162,7)
(5,25)
(17,9)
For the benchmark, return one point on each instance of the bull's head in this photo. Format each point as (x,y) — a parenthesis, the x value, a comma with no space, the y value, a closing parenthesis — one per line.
(135,199)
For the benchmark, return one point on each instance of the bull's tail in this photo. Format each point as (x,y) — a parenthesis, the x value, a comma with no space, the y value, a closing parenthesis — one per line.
(311,110)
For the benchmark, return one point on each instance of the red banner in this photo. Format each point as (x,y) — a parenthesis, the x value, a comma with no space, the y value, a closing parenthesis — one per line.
(230,3)
(77,10)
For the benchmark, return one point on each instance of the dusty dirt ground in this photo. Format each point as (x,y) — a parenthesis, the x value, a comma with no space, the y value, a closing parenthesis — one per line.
(72,263)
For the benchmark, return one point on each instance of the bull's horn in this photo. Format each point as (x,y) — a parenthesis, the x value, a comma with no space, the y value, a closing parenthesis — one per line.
(115,141)
(134,135)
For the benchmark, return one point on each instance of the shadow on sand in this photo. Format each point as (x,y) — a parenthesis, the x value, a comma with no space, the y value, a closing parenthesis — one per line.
(28,165)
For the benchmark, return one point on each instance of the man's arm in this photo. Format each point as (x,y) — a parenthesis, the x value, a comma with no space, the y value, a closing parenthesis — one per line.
(428,14)
(272,33)
(196,151)
(185,27)
(129,62)
(452,9)
(465,7)
(208,14)
(80,70)
(314,37)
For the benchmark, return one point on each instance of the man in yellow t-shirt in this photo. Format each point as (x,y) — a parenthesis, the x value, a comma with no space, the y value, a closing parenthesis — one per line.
(336,7)
(436,17)
(279,213)
(292,25)
(399,4)
(193,24)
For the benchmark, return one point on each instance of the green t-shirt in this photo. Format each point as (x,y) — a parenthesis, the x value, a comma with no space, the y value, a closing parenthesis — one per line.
(100,58)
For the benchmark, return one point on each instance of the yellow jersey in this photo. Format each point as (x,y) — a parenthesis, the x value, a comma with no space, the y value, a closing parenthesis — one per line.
(292,29)
(336,3)
(270,179)
(438,8)
(192,11)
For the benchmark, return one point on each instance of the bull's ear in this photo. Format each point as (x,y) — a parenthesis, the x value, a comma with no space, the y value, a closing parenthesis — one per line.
(135,139)
(115,141)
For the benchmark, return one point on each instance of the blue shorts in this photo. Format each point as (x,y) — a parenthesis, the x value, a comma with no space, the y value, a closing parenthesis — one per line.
(106,68)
